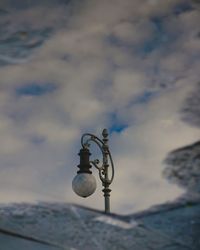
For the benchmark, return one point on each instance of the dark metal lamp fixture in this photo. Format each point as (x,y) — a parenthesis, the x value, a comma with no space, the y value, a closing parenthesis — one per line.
(84,183)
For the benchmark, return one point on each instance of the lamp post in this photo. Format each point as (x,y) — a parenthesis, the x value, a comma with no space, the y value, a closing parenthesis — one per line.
(84,183)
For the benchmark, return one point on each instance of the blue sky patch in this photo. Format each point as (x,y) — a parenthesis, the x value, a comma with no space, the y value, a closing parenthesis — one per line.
(145,97)
(159,37)
(35,89)
(182,7)
(118,128)
(116,125)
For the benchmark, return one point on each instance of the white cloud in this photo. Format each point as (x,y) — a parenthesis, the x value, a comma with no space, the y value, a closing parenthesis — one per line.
(130,33)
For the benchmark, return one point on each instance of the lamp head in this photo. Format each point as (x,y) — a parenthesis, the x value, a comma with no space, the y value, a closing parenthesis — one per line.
(84,183)
(84,165)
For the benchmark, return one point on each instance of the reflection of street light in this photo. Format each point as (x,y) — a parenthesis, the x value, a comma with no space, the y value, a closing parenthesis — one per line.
(84,183)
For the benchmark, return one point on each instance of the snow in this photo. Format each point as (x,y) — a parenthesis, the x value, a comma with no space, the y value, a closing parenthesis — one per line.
(116,222)
(53,226)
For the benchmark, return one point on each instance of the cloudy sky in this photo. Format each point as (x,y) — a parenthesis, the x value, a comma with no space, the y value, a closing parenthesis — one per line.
(68,67)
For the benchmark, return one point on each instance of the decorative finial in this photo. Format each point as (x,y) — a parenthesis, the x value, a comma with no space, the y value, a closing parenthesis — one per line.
(105,133)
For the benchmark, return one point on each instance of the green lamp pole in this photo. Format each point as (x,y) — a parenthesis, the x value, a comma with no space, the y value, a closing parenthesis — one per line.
(84,183)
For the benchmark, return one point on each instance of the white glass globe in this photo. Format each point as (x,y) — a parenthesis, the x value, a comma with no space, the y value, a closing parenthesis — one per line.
(84,184)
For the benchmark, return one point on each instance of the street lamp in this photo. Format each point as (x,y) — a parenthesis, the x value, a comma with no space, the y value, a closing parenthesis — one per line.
(84,183)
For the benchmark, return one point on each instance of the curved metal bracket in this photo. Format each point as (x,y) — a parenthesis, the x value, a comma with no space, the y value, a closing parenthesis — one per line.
(102,145)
